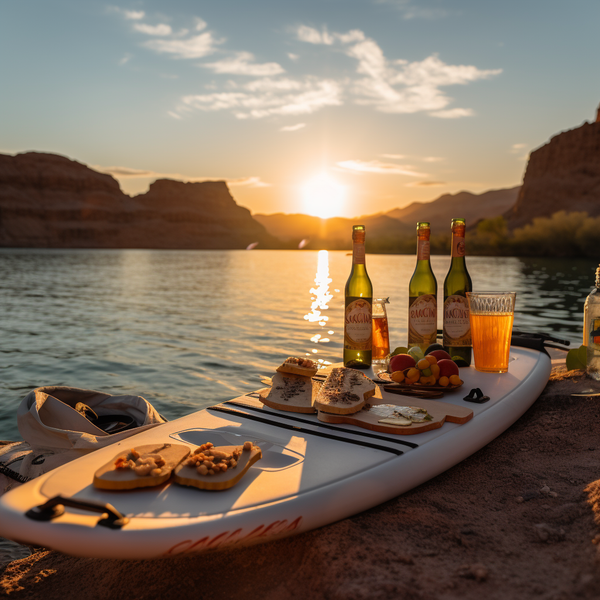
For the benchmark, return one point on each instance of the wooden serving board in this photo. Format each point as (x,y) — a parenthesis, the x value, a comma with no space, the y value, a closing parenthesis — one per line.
(439,411)
(187,475)
(109,478)
(292,393)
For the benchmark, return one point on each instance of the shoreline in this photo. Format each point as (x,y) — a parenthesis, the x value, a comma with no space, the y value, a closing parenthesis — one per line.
(519,518)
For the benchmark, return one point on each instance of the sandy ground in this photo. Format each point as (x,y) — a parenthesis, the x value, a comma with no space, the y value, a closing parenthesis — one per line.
(518,519)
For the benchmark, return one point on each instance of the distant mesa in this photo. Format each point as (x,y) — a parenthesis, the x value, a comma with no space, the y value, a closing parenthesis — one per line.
(563,174)
(50,201)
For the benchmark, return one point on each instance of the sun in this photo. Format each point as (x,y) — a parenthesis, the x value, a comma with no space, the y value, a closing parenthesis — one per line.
(323,197)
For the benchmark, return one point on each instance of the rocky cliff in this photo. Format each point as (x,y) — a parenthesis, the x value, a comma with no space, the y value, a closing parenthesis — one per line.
(564,174)
(50,201)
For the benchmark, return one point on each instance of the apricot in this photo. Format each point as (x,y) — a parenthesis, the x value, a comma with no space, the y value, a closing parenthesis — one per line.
(413,374)
(455,380)
(397,376)
(444,381)
(399,362)
(435,370)
(423,364)
(432,359)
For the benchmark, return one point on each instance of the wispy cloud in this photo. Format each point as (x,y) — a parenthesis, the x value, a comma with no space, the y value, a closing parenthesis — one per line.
(426,184)
(197,46)
(243,64)
(296,127)
(265,97)
(433,159)
(311,35)
(126,58)
(161,29)
(453,113)
(520,149)
(129,173)
(382,168)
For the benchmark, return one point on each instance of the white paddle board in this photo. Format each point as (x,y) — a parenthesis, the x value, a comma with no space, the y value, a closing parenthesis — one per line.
(311,474)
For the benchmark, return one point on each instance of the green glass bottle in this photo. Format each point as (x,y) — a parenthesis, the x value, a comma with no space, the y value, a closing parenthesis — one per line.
(358,318)
(422,295)
(457,329)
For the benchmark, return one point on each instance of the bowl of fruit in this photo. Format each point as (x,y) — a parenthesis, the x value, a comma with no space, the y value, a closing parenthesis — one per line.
(433,369)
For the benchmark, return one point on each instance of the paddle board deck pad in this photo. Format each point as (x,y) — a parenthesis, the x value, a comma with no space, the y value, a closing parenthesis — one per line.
(311,474)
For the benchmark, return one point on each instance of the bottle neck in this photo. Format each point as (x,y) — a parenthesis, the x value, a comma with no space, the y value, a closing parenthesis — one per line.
(423,250)
(358,254)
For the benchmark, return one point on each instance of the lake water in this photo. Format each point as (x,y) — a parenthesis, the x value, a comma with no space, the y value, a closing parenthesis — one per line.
(187,329)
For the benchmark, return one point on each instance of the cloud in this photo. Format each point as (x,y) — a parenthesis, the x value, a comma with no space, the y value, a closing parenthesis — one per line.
(196,46)
(311,35)
(433,159)
(296,127)
(516,148)
(293,56)
(266,97)
(453,113)
(129,173)
(376,166)
(160,29)
(134,15)
(126,58)
(403,87)
(242,64)
(426,184)
(393,156)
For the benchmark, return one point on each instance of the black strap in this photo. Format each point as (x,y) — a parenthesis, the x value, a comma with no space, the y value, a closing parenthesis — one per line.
(324,425)
(13,474)
(302,430)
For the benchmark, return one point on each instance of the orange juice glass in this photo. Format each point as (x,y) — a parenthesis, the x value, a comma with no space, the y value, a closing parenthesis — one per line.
(491,315)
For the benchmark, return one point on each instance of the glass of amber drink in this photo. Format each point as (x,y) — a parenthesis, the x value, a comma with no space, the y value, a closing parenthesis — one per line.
(381,335)
(491,315)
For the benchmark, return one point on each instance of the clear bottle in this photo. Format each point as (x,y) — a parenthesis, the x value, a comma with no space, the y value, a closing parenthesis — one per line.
(422,295)
(457,328)
(591,329)
(358,319)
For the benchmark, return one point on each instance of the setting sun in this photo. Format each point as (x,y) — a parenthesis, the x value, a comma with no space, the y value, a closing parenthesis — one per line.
(323,197)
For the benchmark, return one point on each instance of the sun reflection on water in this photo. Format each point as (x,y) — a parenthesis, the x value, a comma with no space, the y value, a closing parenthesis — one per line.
(320,296)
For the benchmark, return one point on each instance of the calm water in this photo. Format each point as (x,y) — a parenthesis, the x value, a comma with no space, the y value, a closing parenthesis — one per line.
(187,329)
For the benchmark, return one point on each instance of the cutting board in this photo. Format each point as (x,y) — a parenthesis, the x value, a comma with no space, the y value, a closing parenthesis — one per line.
(367,419)
(292,393)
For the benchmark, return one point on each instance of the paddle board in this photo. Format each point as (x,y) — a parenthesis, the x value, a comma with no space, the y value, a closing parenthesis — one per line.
(311,474)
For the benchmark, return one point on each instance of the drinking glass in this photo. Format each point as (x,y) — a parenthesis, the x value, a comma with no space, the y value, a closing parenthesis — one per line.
(491,315)
(381,335)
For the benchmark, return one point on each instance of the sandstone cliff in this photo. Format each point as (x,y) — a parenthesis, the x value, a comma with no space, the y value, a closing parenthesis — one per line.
(564,174)
(50,201)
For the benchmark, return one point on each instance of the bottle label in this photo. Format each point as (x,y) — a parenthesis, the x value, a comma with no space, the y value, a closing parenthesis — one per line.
(457,328)
(458,246)
(595,332)
(423,247)
(358,254)
(358,324)
(422,320)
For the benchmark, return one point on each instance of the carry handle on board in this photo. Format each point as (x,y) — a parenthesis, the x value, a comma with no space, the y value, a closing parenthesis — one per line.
(56,506)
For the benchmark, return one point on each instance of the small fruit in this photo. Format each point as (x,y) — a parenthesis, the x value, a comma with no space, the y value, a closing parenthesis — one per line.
(401,362)
(433,347)
(413,374)
(427,372)
(397,376)
(416,353)
(460,361)
(427,380)
(435,370)
(432,359)
(455,380)
(399,350)
(440,355)
(443,381)
(423,364)
(447,367)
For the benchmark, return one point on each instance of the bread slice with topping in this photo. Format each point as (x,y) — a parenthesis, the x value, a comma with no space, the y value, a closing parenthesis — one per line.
(344,392)
(299,366)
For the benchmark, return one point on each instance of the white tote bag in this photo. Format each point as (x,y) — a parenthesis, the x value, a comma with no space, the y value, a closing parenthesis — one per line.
(53,424)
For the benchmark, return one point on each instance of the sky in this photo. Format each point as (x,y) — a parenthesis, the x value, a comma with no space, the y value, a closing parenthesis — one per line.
(328,107)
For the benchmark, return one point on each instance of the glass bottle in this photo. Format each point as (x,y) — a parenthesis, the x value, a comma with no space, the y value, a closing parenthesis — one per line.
(358,332)
(422,295)
(456,325)
(591,329)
